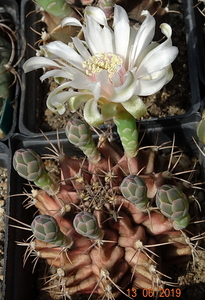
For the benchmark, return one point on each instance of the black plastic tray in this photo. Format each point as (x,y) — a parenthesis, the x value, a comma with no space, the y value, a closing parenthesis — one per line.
(29,121)
(24,285)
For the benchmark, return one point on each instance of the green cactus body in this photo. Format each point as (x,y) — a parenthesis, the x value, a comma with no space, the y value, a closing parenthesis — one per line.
(58,8)
(127,130)
(173,203)
(134,189)
(29,165)
(86,224)
(79,134)
(45,228)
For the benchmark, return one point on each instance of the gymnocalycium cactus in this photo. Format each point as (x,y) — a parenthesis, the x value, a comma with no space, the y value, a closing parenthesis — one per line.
(113,224)
(118,215)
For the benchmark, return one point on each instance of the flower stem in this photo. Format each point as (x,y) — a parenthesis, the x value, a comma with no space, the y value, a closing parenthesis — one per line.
(127,130)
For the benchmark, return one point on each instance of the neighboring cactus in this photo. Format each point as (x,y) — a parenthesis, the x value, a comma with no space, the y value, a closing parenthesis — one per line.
(57,8)
(102,241)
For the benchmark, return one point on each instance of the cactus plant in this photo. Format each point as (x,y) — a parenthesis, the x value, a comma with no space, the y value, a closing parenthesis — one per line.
(118,215)
(112,234)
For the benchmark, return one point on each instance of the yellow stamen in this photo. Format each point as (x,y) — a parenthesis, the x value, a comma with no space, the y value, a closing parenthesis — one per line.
(103,61)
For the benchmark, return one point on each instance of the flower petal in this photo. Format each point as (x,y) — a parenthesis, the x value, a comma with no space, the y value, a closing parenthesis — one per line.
(145,87)
(55,73)
(77,100)
(70,21)
(125,91)
(97,14)
(95,88)
(105,84)
(81,48)
(167,31)
(109,110)
(93,38)
(135,106)
(53,98)
(143,38)
(35,63)
(108,39)
(91,113)
(66,53)
(156,60)
(80,81)
(121,25)
(58,102)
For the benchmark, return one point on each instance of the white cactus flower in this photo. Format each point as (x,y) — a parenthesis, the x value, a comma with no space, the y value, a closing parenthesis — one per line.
(111,69)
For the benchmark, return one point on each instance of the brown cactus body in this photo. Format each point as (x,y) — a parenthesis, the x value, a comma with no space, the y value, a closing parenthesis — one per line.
(126,253)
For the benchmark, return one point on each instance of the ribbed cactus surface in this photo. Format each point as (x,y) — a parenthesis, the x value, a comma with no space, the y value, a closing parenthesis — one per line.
(104,237)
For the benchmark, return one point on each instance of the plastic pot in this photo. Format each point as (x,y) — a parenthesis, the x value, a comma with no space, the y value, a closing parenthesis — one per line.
(31,99)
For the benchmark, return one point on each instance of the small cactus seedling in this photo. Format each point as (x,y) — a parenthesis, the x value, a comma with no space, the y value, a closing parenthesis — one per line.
(125,220)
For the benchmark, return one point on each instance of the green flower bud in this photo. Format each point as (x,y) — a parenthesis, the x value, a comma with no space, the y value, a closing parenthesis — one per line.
(45,228)
(134,189)
(173,203)
(86,224)
(29,165)
(80,135)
